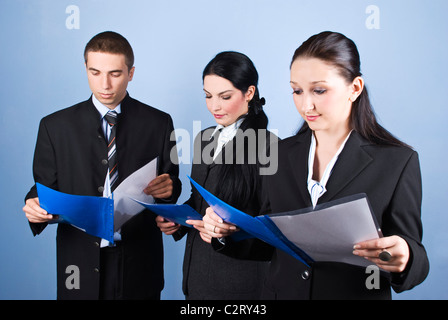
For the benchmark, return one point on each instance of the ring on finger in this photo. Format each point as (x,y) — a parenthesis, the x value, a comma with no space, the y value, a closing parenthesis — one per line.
(385,255)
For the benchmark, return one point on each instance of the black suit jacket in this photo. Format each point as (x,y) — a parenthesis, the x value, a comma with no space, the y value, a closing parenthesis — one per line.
(390,176)
(68,157)
(208,274)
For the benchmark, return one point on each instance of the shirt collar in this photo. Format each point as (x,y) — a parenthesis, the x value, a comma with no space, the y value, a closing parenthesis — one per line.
(228,131)
(330,165)
(317,188)
(102,109)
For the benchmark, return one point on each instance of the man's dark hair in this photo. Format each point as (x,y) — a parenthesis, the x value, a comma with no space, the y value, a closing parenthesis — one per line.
(111,42)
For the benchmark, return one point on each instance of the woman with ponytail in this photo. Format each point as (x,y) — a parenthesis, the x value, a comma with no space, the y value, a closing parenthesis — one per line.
(341,150)
(226,162)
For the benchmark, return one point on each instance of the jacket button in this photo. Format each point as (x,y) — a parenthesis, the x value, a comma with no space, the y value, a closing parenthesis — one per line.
(100,189)
(96,270)
(305,275)
(104,161)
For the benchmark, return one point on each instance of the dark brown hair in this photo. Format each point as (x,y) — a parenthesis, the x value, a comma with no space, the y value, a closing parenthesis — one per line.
(111,42)
(338,50)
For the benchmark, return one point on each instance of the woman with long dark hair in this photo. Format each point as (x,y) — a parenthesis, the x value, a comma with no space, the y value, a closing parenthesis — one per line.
(226,163)
(342,150)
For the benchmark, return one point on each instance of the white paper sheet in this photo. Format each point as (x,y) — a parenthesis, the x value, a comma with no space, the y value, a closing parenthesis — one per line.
(329,234)
(132,187)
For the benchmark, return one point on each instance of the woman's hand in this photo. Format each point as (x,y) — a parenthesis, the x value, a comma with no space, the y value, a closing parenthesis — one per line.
(395,245)
(215,226)
(199,225)
(212,226)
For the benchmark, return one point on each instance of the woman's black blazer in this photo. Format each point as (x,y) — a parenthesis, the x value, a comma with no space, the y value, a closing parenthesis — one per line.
(389,175)
(208,274)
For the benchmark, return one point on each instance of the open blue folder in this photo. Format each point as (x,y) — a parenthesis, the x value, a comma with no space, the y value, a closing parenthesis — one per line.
(325,233)
(177,213)
(259,227)
(94,215)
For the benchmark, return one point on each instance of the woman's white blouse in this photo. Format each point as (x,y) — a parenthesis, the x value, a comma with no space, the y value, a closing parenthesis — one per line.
(317,188)
(226,134)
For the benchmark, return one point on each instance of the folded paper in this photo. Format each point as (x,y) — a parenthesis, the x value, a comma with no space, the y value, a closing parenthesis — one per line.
(132,188)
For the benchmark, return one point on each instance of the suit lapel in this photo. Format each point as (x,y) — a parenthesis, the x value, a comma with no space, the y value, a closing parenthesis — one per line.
(90,122)
(203,156)
(352,160)
(92,118)
(123,139)
(298,158)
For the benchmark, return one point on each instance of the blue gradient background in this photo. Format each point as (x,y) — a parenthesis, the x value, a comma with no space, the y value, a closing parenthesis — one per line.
(41,67)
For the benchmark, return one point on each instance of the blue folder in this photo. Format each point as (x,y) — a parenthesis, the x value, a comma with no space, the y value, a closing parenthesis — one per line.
(94,215)
(260,227)
(177,213)
(324,233)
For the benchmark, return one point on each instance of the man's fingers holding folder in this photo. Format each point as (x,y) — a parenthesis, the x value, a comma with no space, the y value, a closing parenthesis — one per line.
(35,213)
(167,227)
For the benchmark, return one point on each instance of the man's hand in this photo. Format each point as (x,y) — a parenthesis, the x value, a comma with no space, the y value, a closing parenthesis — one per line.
(161,187)
(35,213)
(167,227)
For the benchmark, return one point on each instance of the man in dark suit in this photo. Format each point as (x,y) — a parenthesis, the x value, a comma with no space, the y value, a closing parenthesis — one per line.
(72,156)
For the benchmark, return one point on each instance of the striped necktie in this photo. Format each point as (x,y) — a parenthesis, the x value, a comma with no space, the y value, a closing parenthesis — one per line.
(111,118)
